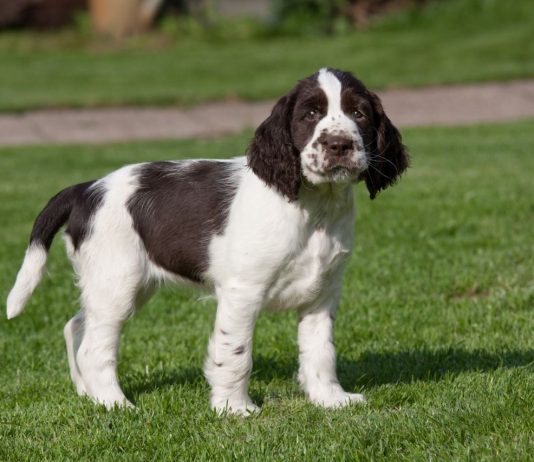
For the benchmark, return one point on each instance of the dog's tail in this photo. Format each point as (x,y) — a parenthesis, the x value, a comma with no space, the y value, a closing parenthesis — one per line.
(47,224)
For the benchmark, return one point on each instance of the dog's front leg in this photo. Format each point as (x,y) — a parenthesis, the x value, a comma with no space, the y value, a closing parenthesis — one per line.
(317,356)
(229,360)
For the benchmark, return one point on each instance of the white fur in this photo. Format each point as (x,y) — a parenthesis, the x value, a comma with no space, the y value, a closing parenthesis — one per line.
(272,254)
(277,255)
(28,278)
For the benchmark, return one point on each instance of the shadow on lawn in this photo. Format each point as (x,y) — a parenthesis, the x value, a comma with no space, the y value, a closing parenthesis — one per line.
(390,367)
(372,368)
(379,368)
(143,384)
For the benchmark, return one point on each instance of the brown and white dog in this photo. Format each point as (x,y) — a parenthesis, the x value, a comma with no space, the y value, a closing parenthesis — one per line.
(269,231)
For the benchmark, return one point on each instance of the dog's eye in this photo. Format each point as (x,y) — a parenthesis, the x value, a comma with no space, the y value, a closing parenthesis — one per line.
(312,114)
(358,114)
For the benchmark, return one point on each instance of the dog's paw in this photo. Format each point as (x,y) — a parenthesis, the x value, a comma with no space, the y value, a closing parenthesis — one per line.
(241,407)
(337,399)
(80,388)
(111,402)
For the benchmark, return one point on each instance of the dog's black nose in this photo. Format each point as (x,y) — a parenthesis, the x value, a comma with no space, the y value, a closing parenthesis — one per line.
(337,145)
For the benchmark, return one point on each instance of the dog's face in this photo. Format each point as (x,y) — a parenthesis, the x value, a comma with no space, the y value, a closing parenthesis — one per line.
(328,129)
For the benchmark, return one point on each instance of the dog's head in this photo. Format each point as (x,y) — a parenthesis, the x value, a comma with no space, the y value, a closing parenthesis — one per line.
(328,129)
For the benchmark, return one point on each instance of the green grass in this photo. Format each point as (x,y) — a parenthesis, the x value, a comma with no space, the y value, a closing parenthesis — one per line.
(435,325)
(455,41)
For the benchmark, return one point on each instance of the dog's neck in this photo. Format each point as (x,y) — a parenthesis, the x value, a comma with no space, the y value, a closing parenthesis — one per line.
(328,200)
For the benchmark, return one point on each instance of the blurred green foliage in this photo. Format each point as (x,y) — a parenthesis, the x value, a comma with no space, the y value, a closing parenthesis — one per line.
(286,18)
(315,18)
(308,17)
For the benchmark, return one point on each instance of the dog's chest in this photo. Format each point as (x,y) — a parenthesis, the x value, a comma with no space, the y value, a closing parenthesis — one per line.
(305,274)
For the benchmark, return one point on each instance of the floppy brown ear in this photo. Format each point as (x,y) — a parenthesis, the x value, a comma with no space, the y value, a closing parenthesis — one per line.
(389,157)
(272,154)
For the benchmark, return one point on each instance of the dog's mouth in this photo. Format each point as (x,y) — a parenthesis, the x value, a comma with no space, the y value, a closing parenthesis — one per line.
(345,169)
(339,174)
(345,164)
(341,169)
(336,169)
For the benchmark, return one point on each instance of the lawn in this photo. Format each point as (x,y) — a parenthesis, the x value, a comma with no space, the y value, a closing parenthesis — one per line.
(435,325)
(452,42)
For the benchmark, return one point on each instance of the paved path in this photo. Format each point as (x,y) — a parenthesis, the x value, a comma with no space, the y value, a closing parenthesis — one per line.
(443,105)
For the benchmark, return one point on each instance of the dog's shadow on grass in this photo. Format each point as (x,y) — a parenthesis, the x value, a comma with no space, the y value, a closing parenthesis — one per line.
(369,370)
(392,367)
(381,368)
(139,384)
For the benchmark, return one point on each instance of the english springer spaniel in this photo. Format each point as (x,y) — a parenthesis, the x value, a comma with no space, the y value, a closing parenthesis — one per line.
(271,231)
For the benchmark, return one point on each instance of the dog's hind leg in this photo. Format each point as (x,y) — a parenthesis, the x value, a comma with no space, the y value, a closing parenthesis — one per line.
(111,264)
(73,333)
(111,291)
(105,314)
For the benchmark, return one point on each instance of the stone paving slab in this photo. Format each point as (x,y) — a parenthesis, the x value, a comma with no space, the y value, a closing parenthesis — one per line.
(439,105)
